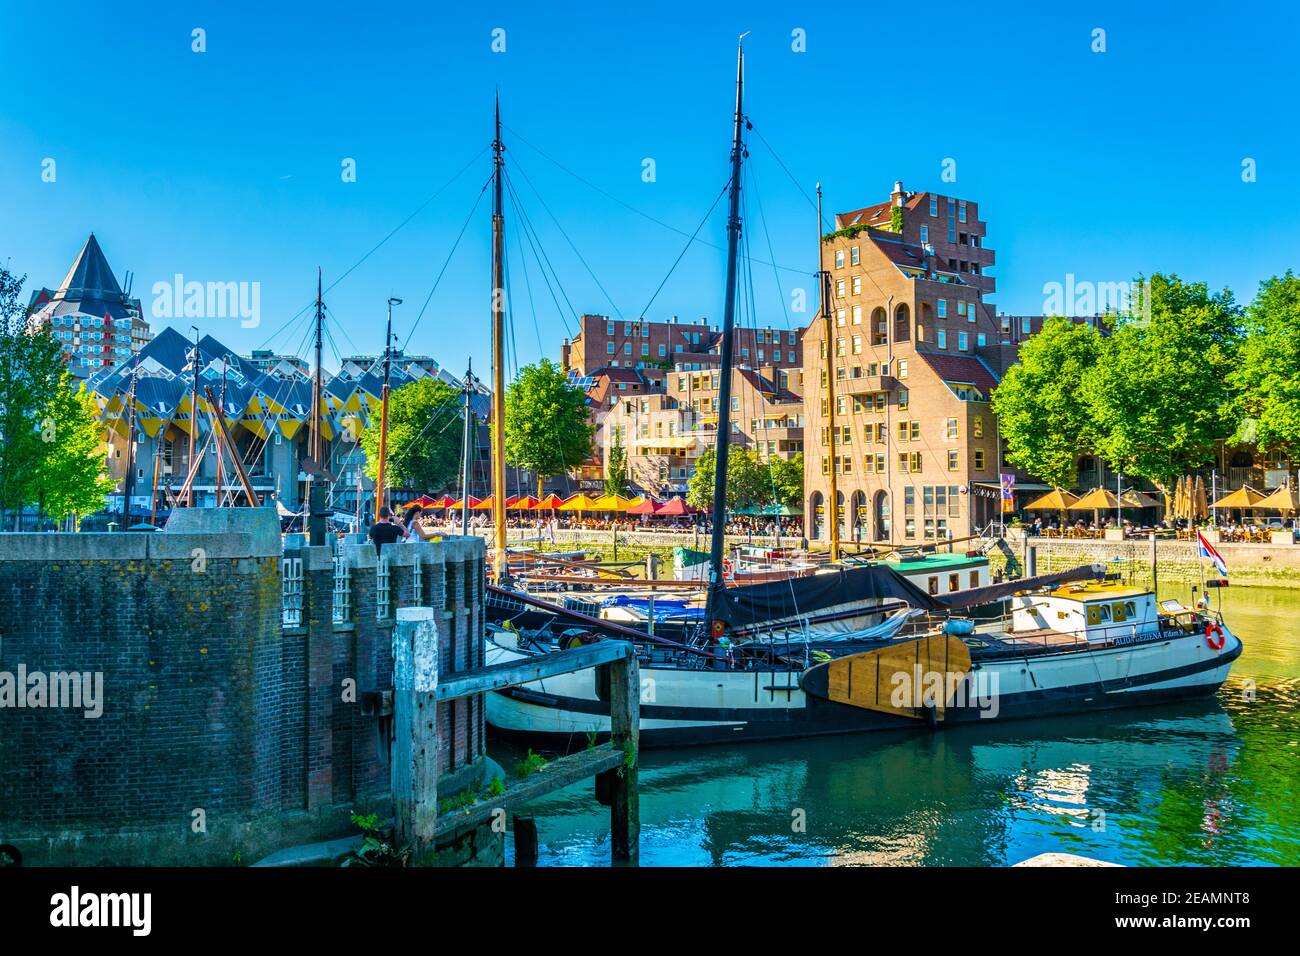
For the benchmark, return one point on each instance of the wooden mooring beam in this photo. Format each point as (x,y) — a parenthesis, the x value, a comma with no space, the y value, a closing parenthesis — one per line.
(416,693)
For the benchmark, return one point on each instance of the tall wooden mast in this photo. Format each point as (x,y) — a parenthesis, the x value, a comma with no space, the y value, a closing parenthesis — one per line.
(316,385)
(832,508)
(194,412)
(498,357)
(717,583)
(383,410)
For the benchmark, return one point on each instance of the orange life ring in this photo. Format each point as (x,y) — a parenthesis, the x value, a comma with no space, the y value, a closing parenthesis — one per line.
(1214,637)
(728,571)
(719,628)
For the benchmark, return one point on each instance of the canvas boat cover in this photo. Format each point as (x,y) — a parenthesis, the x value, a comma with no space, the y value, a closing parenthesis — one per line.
(775,600)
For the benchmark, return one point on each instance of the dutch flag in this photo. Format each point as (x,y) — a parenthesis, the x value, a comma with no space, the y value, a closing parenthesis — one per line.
(1208,551)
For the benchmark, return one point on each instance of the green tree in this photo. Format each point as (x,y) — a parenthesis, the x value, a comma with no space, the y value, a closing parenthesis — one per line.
(1267,377)
(749,483)
(74,476)
(425,429)
(616,466)
(1158,393)
(51,444)
(548,428)
(787,480)
(1040,414)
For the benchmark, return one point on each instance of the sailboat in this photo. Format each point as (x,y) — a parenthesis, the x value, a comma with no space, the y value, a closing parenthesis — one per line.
(851,649)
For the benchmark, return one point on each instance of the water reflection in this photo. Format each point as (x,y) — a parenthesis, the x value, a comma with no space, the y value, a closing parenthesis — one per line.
(1209,782)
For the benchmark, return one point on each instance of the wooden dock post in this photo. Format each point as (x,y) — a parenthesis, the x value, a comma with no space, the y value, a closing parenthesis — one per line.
(625,724)
(415,733)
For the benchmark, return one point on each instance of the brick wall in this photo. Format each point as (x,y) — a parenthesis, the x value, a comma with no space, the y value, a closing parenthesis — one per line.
(209,703)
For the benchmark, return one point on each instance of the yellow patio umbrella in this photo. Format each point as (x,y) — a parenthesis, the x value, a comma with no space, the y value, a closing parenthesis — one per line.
(1244,497)
(1099,499)
(1136,499)
(611,503)
(579,502)
(1285,500)
(1199,509)
(1055,500)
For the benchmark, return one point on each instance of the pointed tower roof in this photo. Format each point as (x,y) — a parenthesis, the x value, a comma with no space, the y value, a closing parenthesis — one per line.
(90,276)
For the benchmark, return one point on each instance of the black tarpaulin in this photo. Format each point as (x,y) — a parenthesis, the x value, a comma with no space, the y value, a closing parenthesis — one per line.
(756,603)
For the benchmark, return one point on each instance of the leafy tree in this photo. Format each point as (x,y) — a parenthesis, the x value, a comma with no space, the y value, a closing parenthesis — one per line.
(74,476)
(548,429)
(51,444)
(749,483)
(425,428)
(616,466)
(787,479)
(1267,377)
(1038,405)
(1158,392)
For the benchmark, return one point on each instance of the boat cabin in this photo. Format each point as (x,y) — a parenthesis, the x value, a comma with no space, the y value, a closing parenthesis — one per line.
(1095,611)
(941,573)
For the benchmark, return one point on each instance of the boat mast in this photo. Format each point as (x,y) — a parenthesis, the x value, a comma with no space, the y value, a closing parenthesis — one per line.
(717,584)
(128,480)
(383,410)
(498,359)
(465,453)
(316,384)
(832,508)
(194,412)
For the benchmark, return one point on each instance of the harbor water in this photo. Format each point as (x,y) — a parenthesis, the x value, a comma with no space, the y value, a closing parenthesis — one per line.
(1210,782)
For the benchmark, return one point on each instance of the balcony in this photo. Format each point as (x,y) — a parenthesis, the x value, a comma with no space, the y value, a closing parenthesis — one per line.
(867,385)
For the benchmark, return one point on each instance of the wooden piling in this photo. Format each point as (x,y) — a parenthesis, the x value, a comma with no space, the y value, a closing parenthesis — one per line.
(625,723)
(415,736)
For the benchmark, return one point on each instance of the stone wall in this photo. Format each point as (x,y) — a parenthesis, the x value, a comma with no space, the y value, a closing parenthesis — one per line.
(225,733)
(1249,565)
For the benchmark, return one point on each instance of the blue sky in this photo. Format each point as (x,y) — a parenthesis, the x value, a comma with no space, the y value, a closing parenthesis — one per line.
(225,165)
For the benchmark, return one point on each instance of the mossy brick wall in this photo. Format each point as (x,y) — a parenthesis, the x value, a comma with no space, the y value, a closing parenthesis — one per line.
(1249,565)
(209,702)
(185,631)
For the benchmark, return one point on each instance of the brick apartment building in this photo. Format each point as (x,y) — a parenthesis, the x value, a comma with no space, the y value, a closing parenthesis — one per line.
(664,433)
(915,353)
(662,346)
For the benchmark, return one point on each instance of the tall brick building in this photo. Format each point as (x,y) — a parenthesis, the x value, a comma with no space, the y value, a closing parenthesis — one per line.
(914,355)
(602,342)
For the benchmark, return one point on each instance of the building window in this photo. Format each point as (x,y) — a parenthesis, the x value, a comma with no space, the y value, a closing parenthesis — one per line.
(839,258)
(934,205)
(1026,325)
(963,341)
(954,460)
(950,431)
(941,308)
(857,283)
(663,351)
(979,460)
(941,338)
(961,307)
(857,345)
(645,349)
(839,316)
(839,288)
(839,345)
(902,431)
(925,234)
(902,368)
(961,211)
(980,340)
(609,328)
(903,460)
(856,257)
(627,348)
(916,462)
(857,315)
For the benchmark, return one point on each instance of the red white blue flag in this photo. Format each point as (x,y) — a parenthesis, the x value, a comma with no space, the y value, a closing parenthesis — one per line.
(1208,551)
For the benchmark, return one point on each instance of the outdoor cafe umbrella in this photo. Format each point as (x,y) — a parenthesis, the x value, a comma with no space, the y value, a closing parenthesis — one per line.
(1178,500)
(1243,497)
(525,503)
(1199,509)
(549,503)
(646,506)
(676,506)
(1055,500)
(611,503)
(1137,499)
(579,502)
(1285,500)
(446,501)
(1096,501)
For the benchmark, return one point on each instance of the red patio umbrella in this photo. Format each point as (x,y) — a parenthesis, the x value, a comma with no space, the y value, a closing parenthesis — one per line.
(446,501)
(647,507)
(675,506)
(549,503)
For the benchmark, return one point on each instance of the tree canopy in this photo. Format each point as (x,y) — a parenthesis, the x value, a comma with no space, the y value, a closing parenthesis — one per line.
(1267,376)
(425,430)
(1149,393)
(752,481)
(1038,402)
(548,429)
(52,450)
(616,466)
